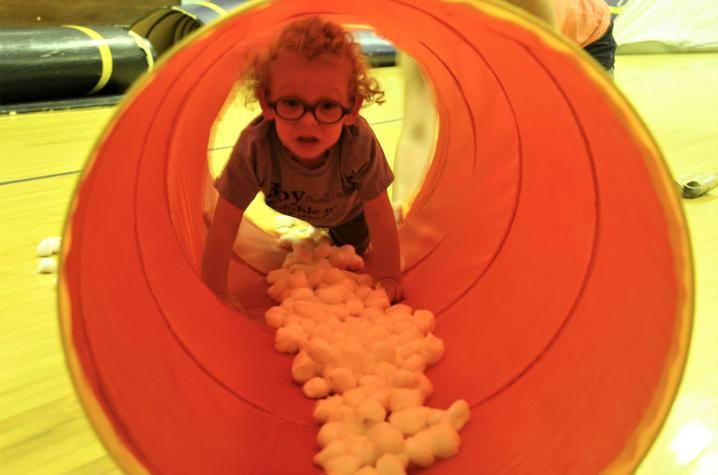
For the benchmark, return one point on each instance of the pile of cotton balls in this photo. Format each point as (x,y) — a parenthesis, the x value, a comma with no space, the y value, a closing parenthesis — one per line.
(364,359)
(45,250)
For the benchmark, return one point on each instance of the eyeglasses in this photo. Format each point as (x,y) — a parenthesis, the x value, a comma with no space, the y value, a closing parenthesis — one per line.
(326,111)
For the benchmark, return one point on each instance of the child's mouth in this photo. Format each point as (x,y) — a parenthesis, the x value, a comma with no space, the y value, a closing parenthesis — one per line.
(307,139)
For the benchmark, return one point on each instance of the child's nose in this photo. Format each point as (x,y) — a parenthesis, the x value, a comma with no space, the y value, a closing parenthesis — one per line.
(308,118)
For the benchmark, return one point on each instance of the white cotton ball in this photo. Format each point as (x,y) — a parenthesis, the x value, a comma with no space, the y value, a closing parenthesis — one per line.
(321,351)
(402,378)
(400,325)
(386,438)
(384,369)
(316,388)
(406,349)
(340,379)
(46,265)
(308,325)
(458,414)
(276,291)
(426,388)
(414,363)
(305,308)
(356,263)
(48,246)
(353,326)
(366,281)
(420,449)
(390,464)
(347,464)
(432,349)
(424,321)
(348,249)
(368,368)
(334,294)
(339,311)
(402,398)
(348,281)
(382,351)
(363,291)
(339,259)
(323,250)
(371,381)
(288,338)
(322,330)
(344,414)
(353,353)
(292,320)
(302,293)
(380,302)
(376,292)
(333,449)
(333,275)
(383,395)
(361,446)
(297,279)
(410,420)
(408,335)
(399,361)
(330,432)
(444,440)
(338,336)
(371,411)
(275,317)
(367,470)
(376,333)
(435,416)
(403,457)
(354,306)
(304,368)
(288,305)
(353,397)
(325,407)
(398,309)
(315,276)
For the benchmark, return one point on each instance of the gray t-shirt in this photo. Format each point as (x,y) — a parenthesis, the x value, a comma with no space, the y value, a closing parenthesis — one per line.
(355,171)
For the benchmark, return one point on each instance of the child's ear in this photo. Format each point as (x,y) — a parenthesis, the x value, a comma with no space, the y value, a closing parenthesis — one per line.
(351,116)
(267,111)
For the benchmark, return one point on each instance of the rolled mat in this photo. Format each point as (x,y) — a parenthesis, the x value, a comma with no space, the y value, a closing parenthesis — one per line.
(548,238)
(43,63)
(168,25)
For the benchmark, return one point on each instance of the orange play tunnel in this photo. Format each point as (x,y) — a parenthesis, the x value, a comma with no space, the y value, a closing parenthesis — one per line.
(547,238)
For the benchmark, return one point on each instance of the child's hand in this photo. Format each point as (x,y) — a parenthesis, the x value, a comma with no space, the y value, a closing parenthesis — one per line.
(392,287)
(232,302)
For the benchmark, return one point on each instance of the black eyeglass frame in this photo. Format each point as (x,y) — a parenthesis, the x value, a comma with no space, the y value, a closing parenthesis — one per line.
(309,107)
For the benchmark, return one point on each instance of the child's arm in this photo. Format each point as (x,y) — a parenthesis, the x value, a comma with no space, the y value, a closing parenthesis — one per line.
(218,249)
(385,256)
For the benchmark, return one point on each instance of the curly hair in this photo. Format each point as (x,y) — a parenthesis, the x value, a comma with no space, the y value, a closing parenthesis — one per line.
(313,37)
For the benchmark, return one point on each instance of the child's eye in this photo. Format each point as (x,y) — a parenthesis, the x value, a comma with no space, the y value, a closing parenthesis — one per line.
(289,102)
(328,106)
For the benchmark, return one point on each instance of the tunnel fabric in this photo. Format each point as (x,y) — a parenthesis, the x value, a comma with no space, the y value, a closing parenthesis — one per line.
(547,239)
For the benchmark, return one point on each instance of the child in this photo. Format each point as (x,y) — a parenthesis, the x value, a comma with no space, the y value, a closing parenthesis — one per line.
(310,152)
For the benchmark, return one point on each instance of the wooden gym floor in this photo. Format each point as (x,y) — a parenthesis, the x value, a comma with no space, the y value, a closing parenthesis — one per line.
(43,429)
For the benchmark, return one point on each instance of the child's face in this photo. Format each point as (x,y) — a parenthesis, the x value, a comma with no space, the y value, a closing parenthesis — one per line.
(310,82)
